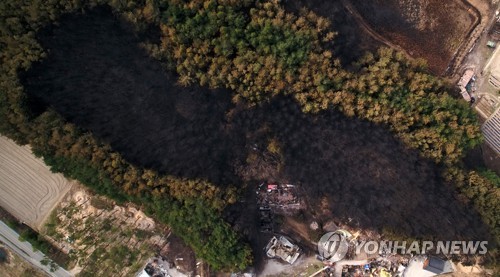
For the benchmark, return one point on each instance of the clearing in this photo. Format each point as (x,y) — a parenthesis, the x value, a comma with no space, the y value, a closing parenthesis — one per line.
(28,189)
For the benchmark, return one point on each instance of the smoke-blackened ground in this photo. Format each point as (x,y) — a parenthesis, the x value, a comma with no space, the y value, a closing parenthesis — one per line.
(98,77)
(368,175)
(429,29)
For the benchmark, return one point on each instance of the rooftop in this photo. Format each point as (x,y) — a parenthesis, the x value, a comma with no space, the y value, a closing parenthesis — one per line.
(491,131)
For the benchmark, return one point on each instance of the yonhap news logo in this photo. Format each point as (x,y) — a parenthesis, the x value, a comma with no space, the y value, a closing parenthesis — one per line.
(422,247)
(333,247)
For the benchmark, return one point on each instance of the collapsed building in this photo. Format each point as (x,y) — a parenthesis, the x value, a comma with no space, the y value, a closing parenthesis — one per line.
(280,195)
(282,248)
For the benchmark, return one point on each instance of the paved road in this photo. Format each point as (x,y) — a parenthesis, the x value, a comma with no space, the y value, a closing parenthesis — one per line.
(24,249)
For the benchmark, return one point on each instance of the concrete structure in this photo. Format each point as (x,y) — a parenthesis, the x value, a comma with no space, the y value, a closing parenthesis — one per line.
(494,63)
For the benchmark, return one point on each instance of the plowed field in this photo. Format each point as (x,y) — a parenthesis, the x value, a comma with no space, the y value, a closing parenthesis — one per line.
(28,189)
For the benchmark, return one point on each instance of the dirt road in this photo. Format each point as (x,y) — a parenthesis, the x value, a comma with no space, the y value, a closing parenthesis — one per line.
(369,30)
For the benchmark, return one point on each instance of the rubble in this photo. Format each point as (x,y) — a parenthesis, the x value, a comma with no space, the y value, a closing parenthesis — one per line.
(282,248)
(266,220)
(280,195)
(159,267)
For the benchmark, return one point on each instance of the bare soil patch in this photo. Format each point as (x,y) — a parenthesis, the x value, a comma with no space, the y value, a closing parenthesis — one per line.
(104,238)
(28,189)
(430,29)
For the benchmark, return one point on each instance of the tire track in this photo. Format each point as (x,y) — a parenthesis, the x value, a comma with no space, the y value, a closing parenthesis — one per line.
(28,189)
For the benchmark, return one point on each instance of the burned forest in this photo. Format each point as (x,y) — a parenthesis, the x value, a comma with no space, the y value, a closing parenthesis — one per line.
(143,113)
(184,107)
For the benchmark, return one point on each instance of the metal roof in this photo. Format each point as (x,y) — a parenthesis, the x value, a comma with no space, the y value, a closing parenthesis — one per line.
(491,131)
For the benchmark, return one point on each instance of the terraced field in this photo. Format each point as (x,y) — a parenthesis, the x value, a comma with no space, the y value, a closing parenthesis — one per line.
(28,189)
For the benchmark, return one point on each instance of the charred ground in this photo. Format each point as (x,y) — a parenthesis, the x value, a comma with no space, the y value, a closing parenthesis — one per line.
(433,30)
(98,77)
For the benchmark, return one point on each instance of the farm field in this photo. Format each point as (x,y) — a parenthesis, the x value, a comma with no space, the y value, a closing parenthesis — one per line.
(433,30)
(28,189)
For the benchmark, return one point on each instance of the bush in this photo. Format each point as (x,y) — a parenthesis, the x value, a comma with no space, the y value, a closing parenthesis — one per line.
(4,256)
(101,203)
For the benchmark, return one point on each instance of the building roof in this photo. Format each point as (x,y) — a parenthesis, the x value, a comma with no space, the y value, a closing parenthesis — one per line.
(494,79)
(437,266)
(417,267)
(465,79)
(491,131)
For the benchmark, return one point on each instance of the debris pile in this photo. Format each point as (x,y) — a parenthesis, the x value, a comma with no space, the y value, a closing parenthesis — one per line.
(282,248)
(375,268)
(266,219)
(280,195)
(159,267)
